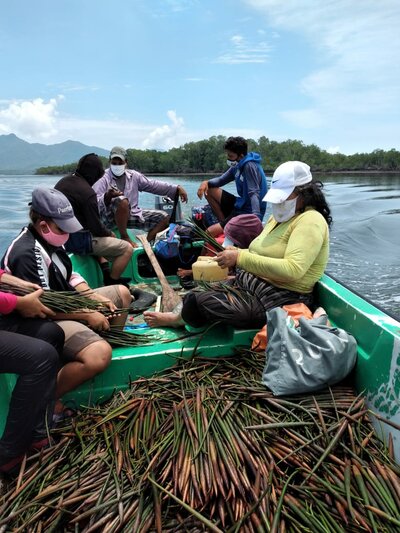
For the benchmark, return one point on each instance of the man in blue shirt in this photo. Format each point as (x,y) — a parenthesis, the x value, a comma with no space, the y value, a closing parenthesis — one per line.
(251,185)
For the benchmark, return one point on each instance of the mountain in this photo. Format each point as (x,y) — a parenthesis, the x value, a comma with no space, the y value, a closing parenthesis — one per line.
(18,156)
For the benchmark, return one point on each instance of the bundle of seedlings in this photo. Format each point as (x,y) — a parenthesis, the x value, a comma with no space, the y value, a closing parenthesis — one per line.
(205,447)
(74,302)
(58,301)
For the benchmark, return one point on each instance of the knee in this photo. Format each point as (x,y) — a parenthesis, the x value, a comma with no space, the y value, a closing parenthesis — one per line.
(46,359)
(125,295)
(123,206)
(51,333)
(103,356)
(128,250)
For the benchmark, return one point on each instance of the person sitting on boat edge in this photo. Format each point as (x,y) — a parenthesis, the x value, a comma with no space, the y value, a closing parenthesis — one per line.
(281,266)
(37,255)
(31,347)
(118,196)
(77,187)
(251,185)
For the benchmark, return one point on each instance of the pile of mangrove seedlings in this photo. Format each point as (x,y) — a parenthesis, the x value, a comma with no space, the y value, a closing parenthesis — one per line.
(204,447)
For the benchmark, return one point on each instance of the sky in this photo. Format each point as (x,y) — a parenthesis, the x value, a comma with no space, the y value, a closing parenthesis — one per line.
(161,73)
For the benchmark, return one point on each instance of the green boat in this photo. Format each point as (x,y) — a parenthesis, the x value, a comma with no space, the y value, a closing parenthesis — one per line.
(376,374)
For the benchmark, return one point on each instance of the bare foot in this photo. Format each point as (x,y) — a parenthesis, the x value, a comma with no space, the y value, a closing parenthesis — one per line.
(128,239)
(183,272)
(156,319)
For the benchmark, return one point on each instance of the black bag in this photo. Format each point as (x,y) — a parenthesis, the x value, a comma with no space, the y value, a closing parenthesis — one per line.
(79,243)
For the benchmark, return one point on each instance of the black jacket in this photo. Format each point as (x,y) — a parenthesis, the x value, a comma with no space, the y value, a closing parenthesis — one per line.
(84,203)
(31,258)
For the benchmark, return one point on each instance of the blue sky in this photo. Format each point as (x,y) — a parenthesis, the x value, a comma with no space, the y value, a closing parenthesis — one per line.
(158,74)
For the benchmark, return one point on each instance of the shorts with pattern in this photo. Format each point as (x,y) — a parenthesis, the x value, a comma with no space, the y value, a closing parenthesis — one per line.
(149,217)
(77,335)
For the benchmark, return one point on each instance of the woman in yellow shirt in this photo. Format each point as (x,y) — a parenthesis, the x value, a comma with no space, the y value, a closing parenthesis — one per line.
(280,267)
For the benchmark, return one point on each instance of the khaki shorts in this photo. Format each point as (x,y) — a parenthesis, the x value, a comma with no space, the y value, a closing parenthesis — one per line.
(109,247)
(77,335)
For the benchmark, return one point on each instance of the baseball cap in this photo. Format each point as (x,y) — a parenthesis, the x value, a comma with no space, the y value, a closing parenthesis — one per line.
(55,205)
(284,180)
(118,151)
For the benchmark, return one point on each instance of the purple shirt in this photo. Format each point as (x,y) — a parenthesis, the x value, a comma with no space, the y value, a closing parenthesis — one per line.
(135,182)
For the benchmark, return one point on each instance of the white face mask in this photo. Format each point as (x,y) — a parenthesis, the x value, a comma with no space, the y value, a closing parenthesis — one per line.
(117,170)
(231,163)
(284,211)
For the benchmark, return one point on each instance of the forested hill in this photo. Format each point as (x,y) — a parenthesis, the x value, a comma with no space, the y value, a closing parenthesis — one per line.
(18,156)
(208,156)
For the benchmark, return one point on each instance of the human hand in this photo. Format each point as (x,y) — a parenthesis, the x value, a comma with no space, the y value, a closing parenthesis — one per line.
(182,194)
(30,306)
(203,189)
(227,258)
(110,194)
(105,301)
(97,321)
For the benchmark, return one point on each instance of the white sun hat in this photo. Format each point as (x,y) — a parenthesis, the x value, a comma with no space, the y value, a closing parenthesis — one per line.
(286,177)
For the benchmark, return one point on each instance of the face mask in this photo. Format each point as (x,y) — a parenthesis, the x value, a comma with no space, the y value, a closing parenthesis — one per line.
(55,239)
(231,163)
(284,211)
(117,170)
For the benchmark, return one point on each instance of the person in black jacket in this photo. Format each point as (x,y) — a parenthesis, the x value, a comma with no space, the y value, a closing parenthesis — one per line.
(77,187)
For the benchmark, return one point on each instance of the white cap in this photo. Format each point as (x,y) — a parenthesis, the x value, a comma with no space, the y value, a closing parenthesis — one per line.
(286,177)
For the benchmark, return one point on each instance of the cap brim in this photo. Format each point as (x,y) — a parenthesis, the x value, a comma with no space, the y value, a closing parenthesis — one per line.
(277,196)
(69,225)
(119,157)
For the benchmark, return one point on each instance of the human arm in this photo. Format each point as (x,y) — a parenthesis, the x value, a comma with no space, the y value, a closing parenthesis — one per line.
(145,184)
(93,295)
(297,245)
(222,180)
(182,194)
(93,221)
(28,305)
(253,178)
(101,187)
(94,319)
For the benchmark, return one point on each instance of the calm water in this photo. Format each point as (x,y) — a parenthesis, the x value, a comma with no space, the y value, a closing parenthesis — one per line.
(365,238)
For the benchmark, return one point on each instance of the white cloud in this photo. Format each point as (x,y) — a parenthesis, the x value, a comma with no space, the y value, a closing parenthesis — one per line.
(166,136)
(242,51)
(357,45)
(32,120)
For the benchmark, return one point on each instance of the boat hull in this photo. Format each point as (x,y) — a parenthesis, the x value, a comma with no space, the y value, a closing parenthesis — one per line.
(376,374)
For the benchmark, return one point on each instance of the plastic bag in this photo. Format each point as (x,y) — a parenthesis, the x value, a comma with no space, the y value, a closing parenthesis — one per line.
(307,358)
(294,310)
(168,247)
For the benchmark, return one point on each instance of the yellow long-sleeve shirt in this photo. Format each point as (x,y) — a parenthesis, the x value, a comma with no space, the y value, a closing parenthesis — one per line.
(291,255)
